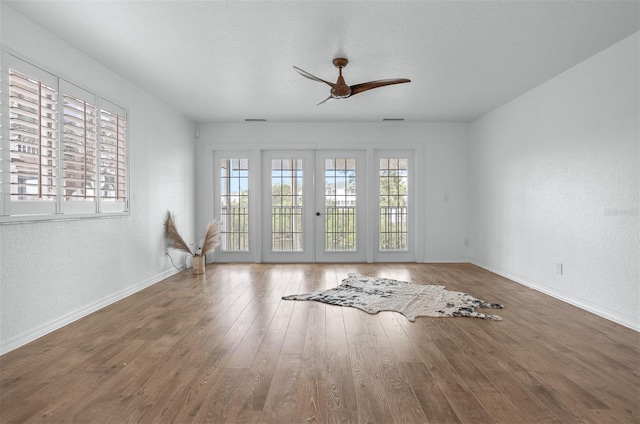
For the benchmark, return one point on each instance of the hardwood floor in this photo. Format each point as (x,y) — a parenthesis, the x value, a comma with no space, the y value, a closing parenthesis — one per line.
(224,347)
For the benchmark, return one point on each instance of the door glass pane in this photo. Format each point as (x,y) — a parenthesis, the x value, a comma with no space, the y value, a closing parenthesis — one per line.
(340,204)
(234,205)
(286,205)
(394,174)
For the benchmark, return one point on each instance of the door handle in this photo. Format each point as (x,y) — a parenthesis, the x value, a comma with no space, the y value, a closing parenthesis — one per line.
(318,214)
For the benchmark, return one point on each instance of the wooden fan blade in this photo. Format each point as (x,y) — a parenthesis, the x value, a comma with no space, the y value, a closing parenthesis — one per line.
(325,100)
(359,88)
(313,77)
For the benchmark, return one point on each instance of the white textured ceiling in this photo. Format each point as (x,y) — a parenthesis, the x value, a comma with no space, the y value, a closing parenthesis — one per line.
(219,61)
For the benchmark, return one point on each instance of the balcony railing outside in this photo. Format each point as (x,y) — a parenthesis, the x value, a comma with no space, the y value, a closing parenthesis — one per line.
(234,236)
(393,228)
(339,228)
(286,229)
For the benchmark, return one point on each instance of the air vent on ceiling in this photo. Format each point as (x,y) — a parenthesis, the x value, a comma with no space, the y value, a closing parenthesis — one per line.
(393,119)
(255,120)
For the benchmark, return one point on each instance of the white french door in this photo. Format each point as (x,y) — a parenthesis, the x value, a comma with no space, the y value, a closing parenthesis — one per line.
(288,206)
(313,206)
(341,196)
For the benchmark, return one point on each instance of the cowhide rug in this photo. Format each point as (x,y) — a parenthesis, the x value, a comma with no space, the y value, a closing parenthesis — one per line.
(373,295)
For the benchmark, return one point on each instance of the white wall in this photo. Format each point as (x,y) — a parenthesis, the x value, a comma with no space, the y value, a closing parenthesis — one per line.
(555,179)
(443,168)
(52,273)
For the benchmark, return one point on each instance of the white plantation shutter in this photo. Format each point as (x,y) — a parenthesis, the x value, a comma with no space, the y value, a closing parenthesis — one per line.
(4,95)
(79,162)
(63,150)
(113,157)
(33,140)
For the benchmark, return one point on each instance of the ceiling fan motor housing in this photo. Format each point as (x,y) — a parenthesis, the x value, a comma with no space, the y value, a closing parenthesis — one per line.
(340,62)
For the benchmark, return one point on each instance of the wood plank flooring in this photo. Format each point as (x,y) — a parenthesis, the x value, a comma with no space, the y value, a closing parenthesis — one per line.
(224,348)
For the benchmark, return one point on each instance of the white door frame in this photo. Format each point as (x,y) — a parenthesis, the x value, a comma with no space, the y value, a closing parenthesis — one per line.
(209,199)
(307,254)
(360,254)
(253,253)
(408,255)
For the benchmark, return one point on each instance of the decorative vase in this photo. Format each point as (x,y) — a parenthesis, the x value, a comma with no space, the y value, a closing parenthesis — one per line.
(198,264)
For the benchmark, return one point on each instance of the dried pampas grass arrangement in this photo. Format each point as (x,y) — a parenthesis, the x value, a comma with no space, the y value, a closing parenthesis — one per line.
(208,243)
(173,235)
(211,238)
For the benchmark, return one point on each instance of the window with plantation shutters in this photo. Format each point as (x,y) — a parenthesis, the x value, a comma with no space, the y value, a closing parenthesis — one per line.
(113,187)
(79,162)
(63,150)
(79,149)
(33,141)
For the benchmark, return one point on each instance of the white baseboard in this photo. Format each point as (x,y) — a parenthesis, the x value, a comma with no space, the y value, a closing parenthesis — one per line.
(36,333)
(599,310)
(447,260)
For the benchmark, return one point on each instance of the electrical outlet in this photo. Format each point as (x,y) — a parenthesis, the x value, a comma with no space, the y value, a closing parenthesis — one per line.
(466,242)
(559,268)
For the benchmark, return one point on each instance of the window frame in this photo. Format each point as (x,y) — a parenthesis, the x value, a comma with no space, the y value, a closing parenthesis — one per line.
(411,252)
(17,211)
(70,205)
(211,209)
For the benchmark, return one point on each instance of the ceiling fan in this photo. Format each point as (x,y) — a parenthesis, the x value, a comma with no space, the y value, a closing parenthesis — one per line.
(341,90)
